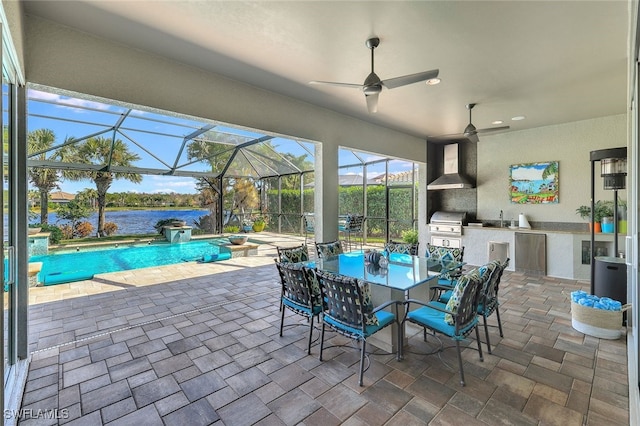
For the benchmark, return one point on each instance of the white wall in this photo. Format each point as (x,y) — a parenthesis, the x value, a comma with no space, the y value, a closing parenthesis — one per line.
(569,144)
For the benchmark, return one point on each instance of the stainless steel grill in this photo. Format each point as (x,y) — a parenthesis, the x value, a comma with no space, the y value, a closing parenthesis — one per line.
(445,228)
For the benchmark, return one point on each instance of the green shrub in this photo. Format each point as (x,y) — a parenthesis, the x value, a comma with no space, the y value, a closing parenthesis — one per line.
(55,233)
(231,229)
(410,236)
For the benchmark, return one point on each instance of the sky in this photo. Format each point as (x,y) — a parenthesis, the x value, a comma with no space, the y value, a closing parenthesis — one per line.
(157,139)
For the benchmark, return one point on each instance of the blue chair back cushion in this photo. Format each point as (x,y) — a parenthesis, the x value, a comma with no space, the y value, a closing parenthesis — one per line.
(402,248)
(294,254)
(331,249)
(471,277)
(449,254)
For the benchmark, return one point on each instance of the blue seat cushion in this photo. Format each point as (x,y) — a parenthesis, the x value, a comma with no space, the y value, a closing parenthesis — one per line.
(434,319)
(384,319)
(301,308)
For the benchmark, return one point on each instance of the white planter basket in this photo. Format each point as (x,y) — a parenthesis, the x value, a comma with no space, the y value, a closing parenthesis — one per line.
(597,322)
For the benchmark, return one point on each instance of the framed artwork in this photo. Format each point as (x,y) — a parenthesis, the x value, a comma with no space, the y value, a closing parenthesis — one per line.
(534,183)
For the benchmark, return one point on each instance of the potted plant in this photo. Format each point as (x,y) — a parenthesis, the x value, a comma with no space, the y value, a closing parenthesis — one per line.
(601,210)
(247,225)
(622,216)
(34,228)
(259,223)
(584,212)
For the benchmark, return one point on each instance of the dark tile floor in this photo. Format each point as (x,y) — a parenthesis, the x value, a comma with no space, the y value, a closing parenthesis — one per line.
(198,345)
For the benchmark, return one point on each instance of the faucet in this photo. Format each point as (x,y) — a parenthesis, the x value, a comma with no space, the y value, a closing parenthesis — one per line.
(501,219)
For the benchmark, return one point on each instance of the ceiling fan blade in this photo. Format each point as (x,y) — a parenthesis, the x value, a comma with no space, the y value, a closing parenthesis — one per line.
(492,129)
(372,103)
(392,83)
(446,138)
(333,83)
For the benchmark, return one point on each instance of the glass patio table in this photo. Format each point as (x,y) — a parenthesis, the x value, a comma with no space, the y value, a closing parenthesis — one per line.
(404,271)
(404,274)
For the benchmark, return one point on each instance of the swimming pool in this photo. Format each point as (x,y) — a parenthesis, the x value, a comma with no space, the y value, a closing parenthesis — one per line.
(70,266)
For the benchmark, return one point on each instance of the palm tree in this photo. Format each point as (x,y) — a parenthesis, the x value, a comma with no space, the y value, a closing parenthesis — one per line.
(88,196)
(45,179)
(100,150)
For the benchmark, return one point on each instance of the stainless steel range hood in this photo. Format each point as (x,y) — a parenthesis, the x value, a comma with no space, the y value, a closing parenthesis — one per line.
(451,179)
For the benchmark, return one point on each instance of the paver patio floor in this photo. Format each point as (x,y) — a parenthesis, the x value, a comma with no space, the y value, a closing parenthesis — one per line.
(199,344)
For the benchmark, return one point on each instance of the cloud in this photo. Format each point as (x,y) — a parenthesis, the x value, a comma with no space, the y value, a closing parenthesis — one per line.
(55,98)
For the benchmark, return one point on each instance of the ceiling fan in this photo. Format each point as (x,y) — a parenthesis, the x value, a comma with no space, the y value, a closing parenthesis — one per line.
(372,85)
(470,132)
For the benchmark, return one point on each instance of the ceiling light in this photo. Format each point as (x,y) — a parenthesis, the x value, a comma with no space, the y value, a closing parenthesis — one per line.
(433,81)
(518,118)
(497,122)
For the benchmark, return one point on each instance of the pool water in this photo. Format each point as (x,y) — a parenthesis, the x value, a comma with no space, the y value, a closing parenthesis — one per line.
(81,265)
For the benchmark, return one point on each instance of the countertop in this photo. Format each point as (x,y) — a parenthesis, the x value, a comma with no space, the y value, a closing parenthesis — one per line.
(535,230)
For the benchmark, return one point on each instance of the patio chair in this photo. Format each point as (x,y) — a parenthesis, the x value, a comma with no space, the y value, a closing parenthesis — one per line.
(293,254)
(488,302)
(455,319)
(440,253)
(402,247)
(350,312)
(488,299)
(300,294)
(329,249)
(353,225)
(447,291)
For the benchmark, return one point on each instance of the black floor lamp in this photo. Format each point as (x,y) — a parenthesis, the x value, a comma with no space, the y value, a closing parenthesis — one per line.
(613,169)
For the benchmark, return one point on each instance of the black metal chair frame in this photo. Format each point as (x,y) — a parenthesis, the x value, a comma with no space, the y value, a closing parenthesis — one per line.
(488,300)
(465,319)
(281,258)
(354,225)
(297,294)
(344,300)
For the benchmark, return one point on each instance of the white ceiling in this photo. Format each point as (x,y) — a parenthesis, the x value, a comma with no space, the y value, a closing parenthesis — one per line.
(551,61)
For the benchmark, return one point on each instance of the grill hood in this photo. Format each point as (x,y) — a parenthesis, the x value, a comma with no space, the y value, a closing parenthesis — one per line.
(451,179)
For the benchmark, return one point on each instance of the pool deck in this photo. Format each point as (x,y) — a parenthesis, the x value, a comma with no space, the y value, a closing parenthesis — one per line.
(264,244)
(199,344)
(247,249)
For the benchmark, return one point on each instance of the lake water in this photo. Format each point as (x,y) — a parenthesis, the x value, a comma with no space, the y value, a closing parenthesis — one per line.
(138,221)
